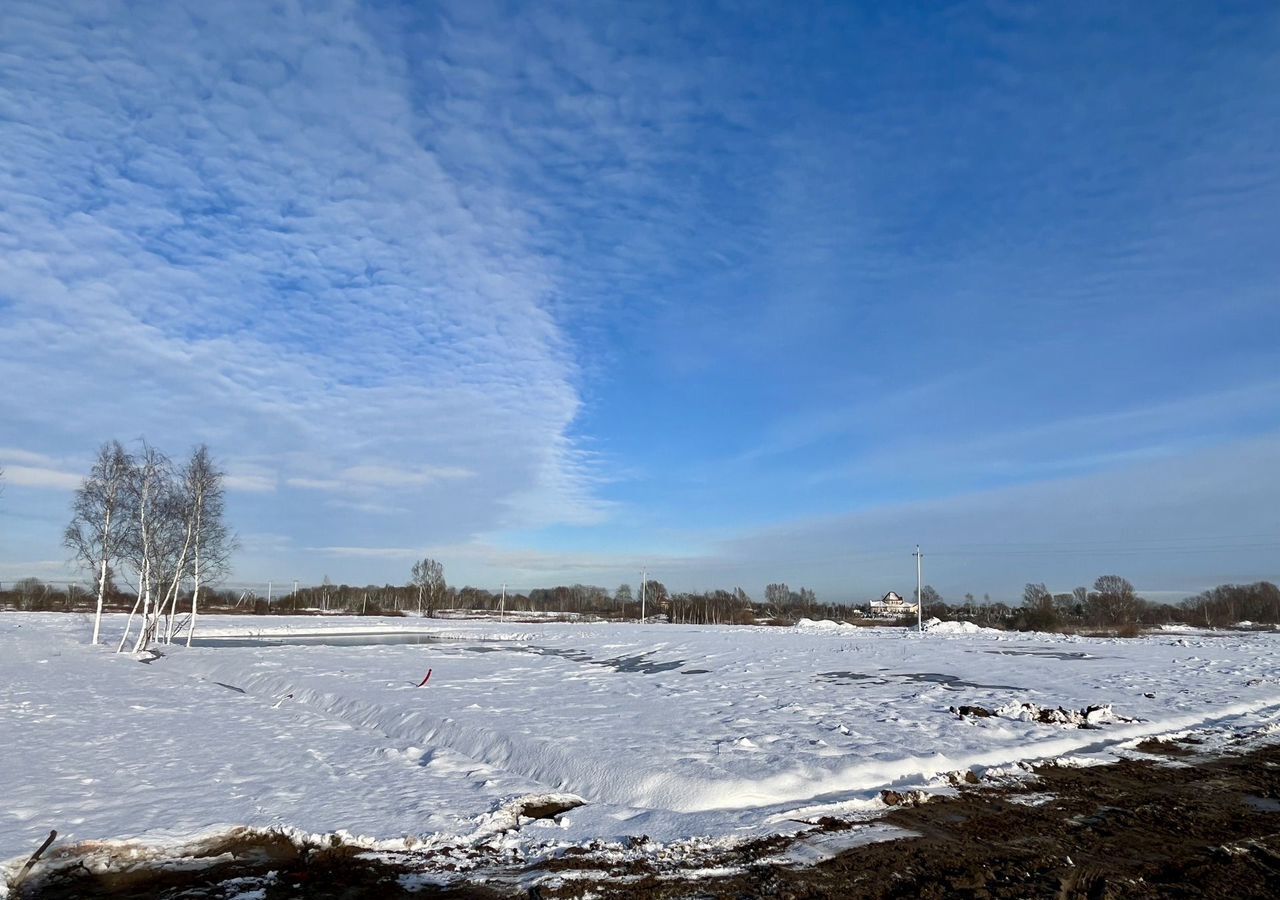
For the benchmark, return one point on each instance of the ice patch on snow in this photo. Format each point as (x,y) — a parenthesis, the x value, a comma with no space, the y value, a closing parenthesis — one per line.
(818,847)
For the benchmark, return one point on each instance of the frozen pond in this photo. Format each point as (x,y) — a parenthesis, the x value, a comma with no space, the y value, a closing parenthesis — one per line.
(638,663)
(336,639)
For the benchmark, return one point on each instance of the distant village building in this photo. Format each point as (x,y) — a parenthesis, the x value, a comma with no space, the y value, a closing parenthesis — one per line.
(891,606)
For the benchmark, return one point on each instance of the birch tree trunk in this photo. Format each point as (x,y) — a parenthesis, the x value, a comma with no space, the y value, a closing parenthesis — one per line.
(102,585)
(129,622)
(144,580)
(195,588)
(171,598)
(141,643)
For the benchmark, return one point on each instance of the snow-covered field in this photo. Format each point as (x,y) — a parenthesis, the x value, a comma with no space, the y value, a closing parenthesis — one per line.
(686,735)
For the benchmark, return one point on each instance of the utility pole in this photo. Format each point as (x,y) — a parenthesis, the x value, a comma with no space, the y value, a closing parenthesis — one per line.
(502,610)
(919,589)
(643,576)
(268,595)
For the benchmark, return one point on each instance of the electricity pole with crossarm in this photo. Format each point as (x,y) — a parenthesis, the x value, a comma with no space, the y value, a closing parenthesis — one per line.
(919,589)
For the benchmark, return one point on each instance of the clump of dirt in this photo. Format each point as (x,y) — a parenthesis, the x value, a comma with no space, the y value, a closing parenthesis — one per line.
(547,808)
(1159,747)
(903,798)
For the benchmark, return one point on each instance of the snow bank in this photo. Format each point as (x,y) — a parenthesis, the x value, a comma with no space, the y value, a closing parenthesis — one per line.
(962,628)
(823,626)
(934,625)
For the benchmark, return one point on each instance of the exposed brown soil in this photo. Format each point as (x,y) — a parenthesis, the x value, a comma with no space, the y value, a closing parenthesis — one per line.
(1132,829)
(1192,828)
(268,863)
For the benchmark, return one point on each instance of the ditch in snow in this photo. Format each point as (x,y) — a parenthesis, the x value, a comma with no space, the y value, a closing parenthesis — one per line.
(950,682)
(1045,654)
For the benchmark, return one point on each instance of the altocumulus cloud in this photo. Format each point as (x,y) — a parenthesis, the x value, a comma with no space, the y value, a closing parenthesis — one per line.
(225,223)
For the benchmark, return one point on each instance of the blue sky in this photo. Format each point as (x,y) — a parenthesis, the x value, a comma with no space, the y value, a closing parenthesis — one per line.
(742,292)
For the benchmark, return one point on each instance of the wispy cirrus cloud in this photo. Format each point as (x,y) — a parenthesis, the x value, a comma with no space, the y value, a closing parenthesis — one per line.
(247,482)
(39,477)
(356,478)
(24,468)
(1063,445)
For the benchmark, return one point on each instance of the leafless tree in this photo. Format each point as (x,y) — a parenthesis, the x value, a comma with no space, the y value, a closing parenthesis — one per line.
(1113,601)
(150,498)
(99,529)
(212,542)
(427,576)
(1036,596)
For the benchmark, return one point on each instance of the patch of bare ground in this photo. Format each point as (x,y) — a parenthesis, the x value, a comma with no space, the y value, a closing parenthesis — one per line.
(241,865)
(1133,829)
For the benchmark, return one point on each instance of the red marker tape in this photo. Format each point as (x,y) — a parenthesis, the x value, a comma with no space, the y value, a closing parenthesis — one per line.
(425,680)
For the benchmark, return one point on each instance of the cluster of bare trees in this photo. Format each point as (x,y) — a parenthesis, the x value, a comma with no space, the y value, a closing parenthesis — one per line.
(782,603)
(718,607)
(586,599)
(141,515)
(1113,603)
(1228,604)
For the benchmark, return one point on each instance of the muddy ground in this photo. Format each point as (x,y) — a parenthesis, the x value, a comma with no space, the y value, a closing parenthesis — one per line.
(1190,827)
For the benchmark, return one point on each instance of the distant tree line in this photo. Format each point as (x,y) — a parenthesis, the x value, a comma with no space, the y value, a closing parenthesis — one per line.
(1113,603)
(428,592)
(38,595)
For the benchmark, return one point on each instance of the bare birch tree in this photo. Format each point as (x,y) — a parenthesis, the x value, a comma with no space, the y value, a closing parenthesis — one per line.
(428,578)
(212,543)
(150,500)
(98,532)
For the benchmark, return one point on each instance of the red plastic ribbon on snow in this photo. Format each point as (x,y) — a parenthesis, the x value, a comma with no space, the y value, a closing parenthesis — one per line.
(425,680)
